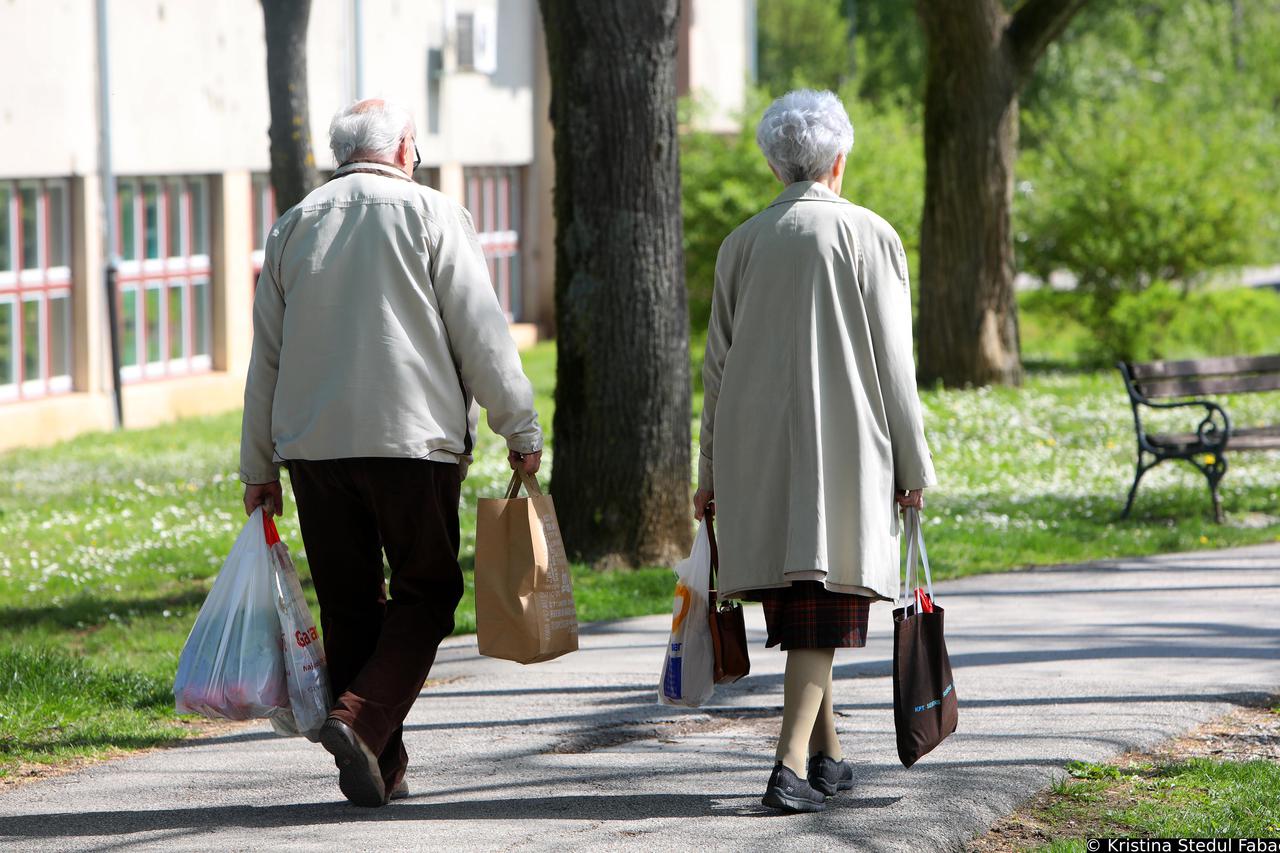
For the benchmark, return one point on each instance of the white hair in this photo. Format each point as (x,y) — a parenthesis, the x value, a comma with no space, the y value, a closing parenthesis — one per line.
(372,128)
(802,133)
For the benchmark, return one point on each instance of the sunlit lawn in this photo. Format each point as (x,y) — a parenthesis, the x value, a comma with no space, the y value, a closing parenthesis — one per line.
(108,543)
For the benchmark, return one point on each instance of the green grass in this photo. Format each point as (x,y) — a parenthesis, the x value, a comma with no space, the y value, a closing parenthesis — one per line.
(1196,798)
(108,543)
(56,705)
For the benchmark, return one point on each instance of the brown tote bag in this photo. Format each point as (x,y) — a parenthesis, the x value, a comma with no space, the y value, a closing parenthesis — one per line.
(728,628)
(925,710)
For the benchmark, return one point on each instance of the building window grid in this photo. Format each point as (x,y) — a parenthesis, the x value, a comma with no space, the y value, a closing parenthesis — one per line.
(35,289)
(262,216)
(493,196)
(164,277)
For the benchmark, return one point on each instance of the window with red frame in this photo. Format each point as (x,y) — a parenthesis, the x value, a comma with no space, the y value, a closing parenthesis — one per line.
(165,302)
(494,197)
(35,289)
(262,215)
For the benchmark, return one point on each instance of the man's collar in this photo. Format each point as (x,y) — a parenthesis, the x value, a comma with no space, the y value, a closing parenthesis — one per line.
(370,167)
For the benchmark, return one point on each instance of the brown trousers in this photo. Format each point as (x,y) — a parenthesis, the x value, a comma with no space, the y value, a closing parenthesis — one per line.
(380,649)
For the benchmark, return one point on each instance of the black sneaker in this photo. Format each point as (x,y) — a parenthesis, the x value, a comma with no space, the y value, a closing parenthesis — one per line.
(358,775)
(828,775)
(789,793)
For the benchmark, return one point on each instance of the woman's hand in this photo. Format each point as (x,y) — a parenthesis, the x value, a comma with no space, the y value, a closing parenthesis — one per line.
(911,498)
(701,499)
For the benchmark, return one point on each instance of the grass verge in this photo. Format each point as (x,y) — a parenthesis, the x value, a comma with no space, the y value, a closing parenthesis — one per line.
(1222,780)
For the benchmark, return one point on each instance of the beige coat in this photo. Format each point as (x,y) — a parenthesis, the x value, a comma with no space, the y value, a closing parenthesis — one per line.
(811,416)
(374,325)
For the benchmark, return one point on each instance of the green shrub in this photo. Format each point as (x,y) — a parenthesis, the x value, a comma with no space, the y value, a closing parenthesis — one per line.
(802,43)
(1166,322)
(724,181)
(1128,194)
(1163,321)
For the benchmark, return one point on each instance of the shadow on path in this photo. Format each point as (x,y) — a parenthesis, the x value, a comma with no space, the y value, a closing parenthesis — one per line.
(627,807)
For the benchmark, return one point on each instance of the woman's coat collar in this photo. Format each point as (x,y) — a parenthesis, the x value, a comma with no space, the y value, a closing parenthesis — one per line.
(806,191)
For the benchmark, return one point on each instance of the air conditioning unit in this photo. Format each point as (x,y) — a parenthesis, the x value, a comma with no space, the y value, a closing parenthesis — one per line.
(476,40)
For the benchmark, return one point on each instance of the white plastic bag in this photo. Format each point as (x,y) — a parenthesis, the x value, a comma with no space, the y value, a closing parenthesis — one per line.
(688,673)
(232,665)
(254,652)
(306,674)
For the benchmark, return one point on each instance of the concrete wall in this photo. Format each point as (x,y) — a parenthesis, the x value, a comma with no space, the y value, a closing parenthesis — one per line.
(718,60)
(188,83)
(48,124)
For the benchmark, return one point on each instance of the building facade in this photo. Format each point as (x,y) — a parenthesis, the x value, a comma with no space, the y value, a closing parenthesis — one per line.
(188,119)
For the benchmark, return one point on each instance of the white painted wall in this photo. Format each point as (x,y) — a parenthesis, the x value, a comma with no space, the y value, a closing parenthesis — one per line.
(48,98)
(718,60)
(188,83)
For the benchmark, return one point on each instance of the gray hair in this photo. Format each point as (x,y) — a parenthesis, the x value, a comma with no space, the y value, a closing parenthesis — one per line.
(802,133)
(372,128)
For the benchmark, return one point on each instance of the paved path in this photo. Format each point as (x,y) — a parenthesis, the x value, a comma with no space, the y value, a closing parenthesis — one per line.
(1051,665)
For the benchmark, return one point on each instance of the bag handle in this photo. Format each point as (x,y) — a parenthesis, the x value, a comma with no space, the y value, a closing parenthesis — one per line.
(916,555)
(269,528)
(530,485)
(709,518)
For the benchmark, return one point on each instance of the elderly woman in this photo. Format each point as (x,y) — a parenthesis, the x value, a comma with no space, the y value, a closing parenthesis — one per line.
(811,425)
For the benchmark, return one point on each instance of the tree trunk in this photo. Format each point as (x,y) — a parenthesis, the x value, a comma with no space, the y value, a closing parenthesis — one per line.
(621,469)
(978,57)
(293,166)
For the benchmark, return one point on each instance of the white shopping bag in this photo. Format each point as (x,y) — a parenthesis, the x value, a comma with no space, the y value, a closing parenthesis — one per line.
(232,665)
(688,673)
(306,674)
(238,663)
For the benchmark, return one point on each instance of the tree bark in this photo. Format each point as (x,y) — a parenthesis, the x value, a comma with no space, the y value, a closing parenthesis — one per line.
(621,470)
(293,165)
(978,58)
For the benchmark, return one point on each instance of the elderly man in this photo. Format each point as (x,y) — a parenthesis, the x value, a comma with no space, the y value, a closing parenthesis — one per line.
(374,324)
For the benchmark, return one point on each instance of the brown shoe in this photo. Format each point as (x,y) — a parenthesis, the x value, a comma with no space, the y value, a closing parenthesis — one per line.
(399,792)
(359,778)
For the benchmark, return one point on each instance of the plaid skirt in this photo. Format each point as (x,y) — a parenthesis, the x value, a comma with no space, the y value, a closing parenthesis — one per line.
(807,615)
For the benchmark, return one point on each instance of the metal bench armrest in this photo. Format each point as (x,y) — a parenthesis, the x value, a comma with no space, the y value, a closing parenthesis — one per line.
(1213,430)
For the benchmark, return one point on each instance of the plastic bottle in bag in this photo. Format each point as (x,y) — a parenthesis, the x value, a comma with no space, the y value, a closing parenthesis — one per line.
(688,671)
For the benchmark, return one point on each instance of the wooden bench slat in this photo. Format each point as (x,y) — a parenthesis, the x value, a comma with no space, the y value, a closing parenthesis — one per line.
(1205,367)
(1157,388)
(1252,438)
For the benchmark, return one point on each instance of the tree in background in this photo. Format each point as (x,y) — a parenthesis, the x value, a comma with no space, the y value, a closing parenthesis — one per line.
(888,51)
(1150,138)
(802,43)
(978,57)
(622,424)
(293,165)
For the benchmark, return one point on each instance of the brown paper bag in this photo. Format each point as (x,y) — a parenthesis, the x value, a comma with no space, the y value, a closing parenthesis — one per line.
(524,591)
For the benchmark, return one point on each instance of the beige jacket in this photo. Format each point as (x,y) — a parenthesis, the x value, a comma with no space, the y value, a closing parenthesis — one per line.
(811,416)
(374,323)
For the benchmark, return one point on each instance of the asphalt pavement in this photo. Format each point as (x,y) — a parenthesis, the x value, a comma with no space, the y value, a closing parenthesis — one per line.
(1051,665)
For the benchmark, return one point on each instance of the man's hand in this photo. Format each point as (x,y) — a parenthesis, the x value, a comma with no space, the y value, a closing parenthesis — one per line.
(269,496)
(701,499)
(914,497)
(529,463)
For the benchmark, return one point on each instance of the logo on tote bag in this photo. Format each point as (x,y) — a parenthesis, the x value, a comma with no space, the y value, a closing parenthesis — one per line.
(936,702)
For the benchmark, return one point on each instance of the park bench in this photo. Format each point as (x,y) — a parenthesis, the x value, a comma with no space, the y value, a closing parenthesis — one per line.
(1206,447)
